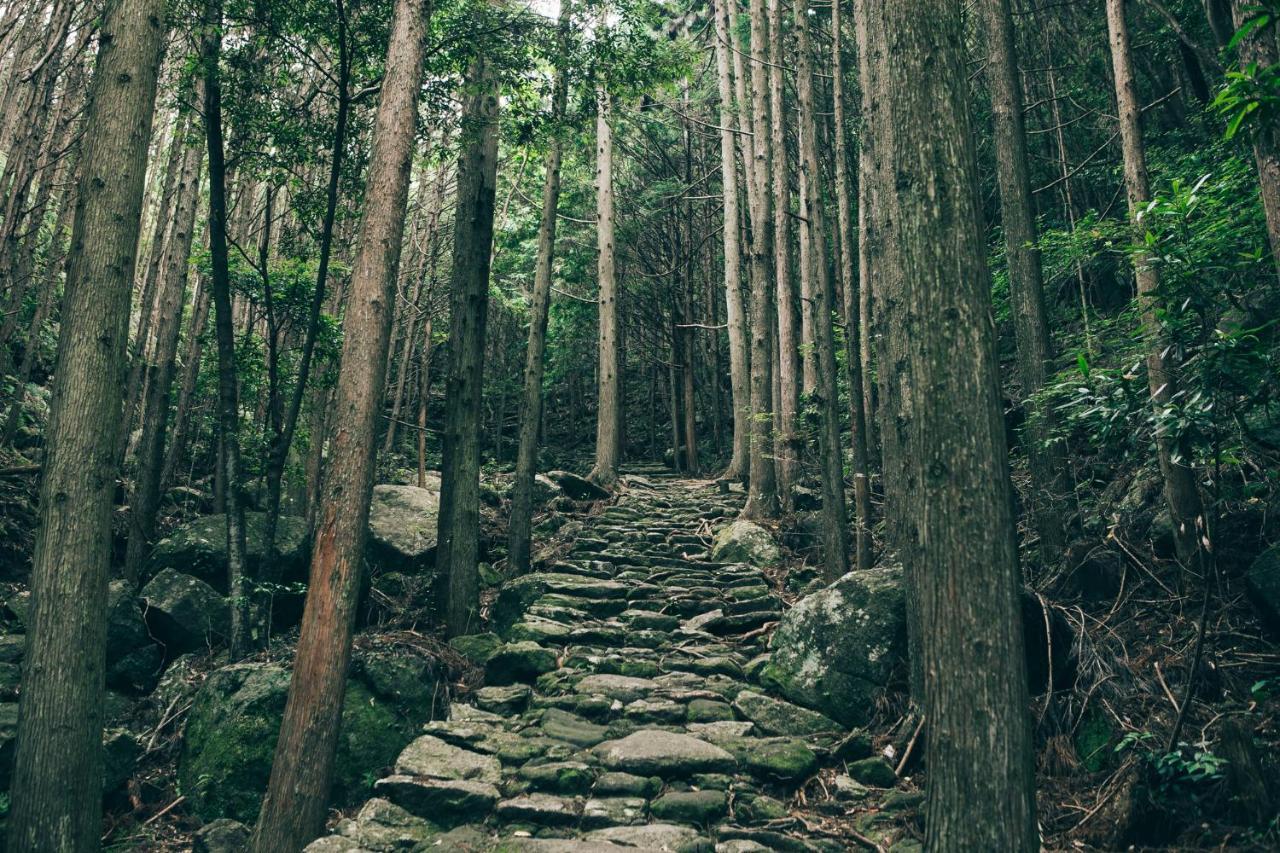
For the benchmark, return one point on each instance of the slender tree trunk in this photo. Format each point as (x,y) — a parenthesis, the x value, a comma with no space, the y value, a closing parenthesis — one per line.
(1180,490)
(739,380)
(944,433)
(160,363)
(1260,47)
(220,283)
(848,288)
(762,493)
(605,471)
(1026,282)
(57,776)
(424,396)
(459,532)
(834,522)
(788,441)
(297,795)
(190,373)
(519,537)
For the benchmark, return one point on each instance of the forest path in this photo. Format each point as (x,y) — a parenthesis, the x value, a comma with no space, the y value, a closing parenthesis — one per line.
(622,711)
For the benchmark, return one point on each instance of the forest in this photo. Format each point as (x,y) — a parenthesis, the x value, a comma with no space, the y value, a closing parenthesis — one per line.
(653,425)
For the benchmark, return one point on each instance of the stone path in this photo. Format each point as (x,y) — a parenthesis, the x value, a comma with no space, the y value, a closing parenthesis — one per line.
(621,711)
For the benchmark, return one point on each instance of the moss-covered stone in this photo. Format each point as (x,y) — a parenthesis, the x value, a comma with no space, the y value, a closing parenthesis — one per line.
(199,548)
(231,735)
(1093,740)
(746,542)
(696,807)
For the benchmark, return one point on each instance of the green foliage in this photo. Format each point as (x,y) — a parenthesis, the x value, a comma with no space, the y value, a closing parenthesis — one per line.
(1250,98)
(1188,771)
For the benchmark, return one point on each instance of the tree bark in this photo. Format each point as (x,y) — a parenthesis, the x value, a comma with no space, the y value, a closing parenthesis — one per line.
(459,531)
(788,442)
(1026,281)
(190,373)
(739,379)
(1260,47)
(762,491)
(1180,491)
(519,538)
(949,494)
(293,811)
(160,362)
(57,777)
(835,552)
(849,285)
(605,470)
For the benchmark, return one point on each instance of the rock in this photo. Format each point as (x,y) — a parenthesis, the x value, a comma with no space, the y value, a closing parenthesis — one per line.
(12,648)
(697,807)
(568,727)
(231,732)
(184,612)
(621,687)
(199,548)
(627,784)
(653,836)
(1263,582)
(477,648)
(137,671)
(578,488)
(613,811)
(8,740)
(519,662)
(875,772)
(409,680)
(760,809)
(120,752)
(431,758)
(776,717)
(652,752)
(837,650)
(382,825)
(849,789)
(442,802)
(746,542)
(538,809)
(402,528)
(221,836)
(559,777)
(545,490)
(782,759)
(126,629)
(507,701)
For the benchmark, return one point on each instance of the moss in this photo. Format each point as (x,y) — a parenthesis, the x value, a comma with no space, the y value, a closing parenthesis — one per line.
(1093,741)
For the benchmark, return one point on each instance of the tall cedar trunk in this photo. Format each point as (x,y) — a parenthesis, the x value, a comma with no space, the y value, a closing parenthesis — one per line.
(187,393)
(762,491)
(866,302)
(835,550)
(849,285)
(424,395)
(220,283)
(160,361)
(459,531)
(605,470)
(1180,490)
(519,538)
(285,424)
(57,775)
(689,334)
(1026,283)
(1260,47)
(806,261)
(944,432)
(739,380)
(788,440)
(293,811)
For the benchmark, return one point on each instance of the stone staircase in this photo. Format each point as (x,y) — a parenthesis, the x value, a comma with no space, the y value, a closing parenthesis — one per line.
(620,710)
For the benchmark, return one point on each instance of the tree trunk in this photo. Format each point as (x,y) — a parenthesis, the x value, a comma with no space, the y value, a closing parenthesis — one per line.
(424,395)
(1260,47)
(160,362)
(293,811)
(57,776)
(521,520)
(605,470)
(762,492)
(1180,490)
(739,380)
(835,550)
(950,502)
(788,440)
(459,532)
(190,373)
(848,288)
(1026,282)
(220,284)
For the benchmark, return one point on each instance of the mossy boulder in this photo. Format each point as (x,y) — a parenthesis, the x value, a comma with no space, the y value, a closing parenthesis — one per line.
(231,734)
(838,649)
(402,528)
(199,548)
(746,542)
(185,613)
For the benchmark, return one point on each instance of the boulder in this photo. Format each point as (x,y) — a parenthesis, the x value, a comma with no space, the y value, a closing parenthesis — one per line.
(221,836)
(1263,582)
(578,488)
(133,659)
(746,542)
(545,490)
(654,752)
(183,612)
(410,681)
(402,528)
(231,733)
(838,649)
(518,662)
(199,548)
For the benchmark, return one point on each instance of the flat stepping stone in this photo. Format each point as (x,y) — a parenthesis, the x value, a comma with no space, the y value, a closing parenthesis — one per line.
(777,717)
(432,758)
(653,836)
(440,801)
(624,688)
(539,809)
(506,701)
(520,661)
(614,811)
(559,777)
(569,727)
(696,807)
(653,752)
